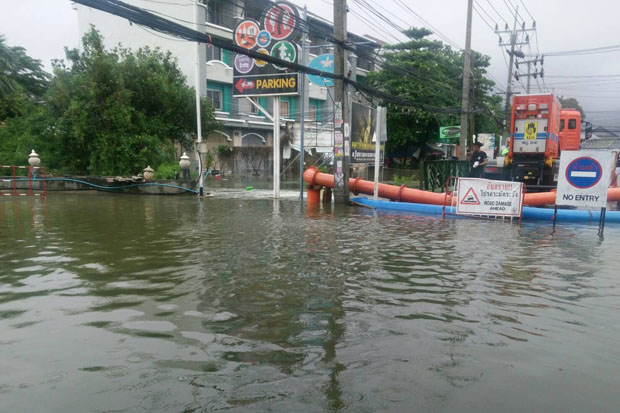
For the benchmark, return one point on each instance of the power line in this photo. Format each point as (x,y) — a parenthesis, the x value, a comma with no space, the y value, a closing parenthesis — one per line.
(423,20)
(485,12)
(482,18)
(526,9)
(604,49)
(142,17)
(498,13)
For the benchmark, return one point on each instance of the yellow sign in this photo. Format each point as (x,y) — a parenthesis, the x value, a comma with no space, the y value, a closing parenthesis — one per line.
(531,130)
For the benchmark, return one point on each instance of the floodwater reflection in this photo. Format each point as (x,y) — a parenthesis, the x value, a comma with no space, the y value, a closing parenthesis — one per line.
(178,304)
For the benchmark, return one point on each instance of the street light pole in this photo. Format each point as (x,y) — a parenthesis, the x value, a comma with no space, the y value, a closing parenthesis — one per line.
(197,82)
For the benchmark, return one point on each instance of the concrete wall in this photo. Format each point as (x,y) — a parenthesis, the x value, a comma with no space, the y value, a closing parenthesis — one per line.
(6,186)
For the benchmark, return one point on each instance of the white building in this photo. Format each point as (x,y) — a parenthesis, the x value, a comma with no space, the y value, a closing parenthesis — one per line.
(244,129)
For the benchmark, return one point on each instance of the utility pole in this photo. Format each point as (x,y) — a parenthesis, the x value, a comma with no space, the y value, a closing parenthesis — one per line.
(303,83)
(529,74)
(514,41)
(342,139)
(465,96)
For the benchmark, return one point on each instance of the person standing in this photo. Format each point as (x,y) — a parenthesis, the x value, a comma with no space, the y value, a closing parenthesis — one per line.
(479,158)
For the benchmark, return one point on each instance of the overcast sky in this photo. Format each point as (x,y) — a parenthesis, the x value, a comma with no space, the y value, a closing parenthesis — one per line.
(45,27)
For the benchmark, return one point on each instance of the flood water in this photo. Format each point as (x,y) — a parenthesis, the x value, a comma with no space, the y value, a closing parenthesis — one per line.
(242,303)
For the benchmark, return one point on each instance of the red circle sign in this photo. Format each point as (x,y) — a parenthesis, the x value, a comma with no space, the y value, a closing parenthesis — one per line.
(245,34)
(281,20)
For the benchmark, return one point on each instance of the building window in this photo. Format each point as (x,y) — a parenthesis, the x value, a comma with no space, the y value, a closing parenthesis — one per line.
(215,12)
(215,96)
(284,108)
(213,53)
(253,109)
(572,124)
(312,112)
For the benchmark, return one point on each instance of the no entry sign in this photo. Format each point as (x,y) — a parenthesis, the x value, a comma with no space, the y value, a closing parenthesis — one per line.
(584,178)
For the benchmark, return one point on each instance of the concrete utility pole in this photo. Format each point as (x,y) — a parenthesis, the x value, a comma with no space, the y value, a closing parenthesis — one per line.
(514,41)
(465,97)
(529,74)
(303,85)
(342,142)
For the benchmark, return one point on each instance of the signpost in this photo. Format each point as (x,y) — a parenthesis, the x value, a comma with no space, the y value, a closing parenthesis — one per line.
(583,180)
(273,35)
(491,198)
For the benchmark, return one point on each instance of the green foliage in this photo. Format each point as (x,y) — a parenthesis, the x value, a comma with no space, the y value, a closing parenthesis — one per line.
(433,78)
(109,112)
(572,103)
(408,181)
(209,158)
(167,171)
(22,80)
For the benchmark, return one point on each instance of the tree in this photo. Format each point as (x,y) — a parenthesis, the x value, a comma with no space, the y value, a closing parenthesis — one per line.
(22,80)
(429,73)
(572,103)
(112,112)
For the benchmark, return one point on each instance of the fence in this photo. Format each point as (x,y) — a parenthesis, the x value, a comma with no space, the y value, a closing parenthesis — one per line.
(435,173)
(33,172)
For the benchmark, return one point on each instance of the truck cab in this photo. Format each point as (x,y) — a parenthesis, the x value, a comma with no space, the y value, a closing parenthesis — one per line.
(570,129)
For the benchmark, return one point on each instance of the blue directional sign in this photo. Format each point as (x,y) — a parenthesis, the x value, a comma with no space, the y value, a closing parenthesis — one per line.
(584,172)
(324,63)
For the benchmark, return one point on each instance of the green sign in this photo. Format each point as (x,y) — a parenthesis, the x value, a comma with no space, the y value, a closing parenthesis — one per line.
(449,134)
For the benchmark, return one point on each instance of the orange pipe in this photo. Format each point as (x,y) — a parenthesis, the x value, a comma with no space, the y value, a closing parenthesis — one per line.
(404,194)
(314,194)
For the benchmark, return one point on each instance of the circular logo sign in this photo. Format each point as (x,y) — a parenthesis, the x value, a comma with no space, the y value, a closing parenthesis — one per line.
(584,172)
(261,63)
(263,39)
(243,64)
(324,63)
(450,131)
(284,50)
(281,20)
(245,34)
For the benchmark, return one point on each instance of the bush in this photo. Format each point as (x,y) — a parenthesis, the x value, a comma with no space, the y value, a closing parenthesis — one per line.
(405,180)
(167,171)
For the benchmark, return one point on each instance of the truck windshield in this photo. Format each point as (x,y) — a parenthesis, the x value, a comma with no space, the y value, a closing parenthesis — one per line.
(572,124)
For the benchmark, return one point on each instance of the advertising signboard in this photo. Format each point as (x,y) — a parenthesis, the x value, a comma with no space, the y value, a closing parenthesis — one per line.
(274,35)
(449,134)
(486,197)
(584,177)
(363,123)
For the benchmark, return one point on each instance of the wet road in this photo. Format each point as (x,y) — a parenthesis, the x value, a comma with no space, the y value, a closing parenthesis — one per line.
(242,303)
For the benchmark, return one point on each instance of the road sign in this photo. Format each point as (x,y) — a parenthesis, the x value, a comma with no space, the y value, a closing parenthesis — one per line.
(486,197)
(243,64)
(284,50)
(584,178)
(584,172)
(324,63)
(281,20)
(263,39)
(245,33)
(263,85)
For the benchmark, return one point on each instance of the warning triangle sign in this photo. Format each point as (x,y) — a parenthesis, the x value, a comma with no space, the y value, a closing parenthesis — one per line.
(470,198)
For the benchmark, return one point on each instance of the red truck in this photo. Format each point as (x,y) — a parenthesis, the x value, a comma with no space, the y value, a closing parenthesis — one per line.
(539,130)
